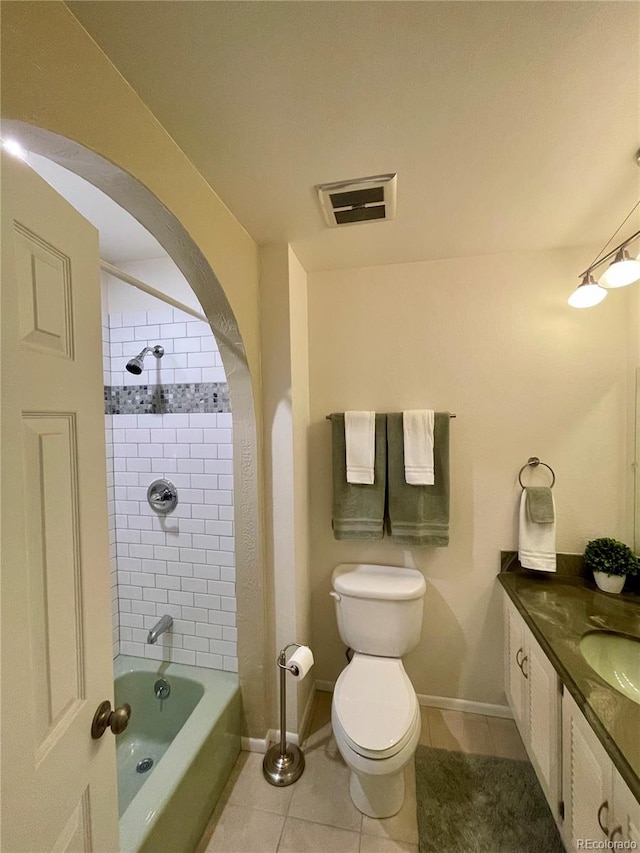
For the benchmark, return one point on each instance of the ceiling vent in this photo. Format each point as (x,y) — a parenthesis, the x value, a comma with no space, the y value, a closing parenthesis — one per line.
(358,200)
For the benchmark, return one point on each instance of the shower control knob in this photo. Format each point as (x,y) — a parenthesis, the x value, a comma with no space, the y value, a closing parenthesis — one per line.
(162,496)
(104,718)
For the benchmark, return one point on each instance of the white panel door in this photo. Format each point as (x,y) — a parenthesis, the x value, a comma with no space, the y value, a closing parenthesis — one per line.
(514,654)
(626,814)
(58,785)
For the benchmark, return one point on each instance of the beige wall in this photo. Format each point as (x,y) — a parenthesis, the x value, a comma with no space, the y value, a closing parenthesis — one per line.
(283,287)
(492,339)
(61,97)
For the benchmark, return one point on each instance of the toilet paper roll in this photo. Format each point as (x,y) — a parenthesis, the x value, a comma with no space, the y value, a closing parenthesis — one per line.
(301,662)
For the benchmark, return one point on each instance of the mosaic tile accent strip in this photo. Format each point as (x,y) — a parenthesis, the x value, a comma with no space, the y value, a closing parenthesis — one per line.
(179,398)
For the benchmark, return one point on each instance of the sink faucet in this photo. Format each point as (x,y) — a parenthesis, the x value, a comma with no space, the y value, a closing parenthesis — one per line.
(164,623)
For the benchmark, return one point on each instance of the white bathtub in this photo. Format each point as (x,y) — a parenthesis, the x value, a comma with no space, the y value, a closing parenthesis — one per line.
(193,738)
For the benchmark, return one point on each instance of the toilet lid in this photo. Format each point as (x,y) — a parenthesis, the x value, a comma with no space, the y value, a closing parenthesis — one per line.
(375,703)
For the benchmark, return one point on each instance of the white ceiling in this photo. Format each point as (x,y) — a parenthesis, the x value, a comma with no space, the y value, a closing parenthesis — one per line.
(122,238)
(511,125)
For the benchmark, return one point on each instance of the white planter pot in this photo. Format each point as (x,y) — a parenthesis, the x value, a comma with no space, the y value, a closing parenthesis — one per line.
(609,583)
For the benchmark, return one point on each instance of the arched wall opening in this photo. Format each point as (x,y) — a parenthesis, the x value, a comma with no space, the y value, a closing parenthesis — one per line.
(127,191)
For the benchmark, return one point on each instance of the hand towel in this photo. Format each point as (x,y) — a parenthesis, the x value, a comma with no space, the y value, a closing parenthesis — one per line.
(359,430)
(540,504)
(418,515)
(358,509)
(537,542)
(417,427)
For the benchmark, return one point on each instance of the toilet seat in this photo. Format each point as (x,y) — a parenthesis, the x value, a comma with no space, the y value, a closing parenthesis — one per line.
(375,706)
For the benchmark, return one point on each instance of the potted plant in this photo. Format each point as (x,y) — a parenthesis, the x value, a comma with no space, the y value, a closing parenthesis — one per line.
(610,561)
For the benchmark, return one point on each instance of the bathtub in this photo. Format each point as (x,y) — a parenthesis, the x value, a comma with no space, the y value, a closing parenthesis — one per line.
(192,738)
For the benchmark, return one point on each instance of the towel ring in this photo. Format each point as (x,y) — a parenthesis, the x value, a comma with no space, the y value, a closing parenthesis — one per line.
(533,462)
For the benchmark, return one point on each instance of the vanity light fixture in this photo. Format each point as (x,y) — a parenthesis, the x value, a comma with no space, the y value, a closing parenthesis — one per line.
(622,270)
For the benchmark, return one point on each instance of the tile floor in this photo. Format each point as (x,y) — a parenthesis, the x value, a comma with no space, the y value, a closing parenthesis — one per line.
(316,813)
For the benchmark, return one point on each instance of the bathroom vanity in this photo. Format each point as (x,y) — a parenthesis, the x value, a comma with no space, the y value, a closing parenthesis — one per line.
(581,734)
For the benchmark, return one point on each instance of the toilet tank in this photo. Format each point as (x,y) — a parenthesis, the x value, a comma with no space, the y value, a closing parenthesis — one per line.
(378,608)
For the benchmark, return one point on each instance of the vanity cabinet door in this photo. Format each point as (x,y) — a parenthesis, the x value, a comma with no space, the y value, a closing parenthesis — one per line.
(543,719)
(515,683)
(586,780)
(625,825)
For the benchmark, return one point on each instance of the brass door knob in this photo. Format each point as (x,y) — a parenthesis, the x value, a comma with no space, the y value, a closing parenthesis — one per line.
(105,718)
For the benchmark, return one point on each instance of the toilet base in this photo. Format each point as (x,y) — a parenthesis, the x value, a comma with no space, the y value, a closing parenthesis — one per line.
(377,796)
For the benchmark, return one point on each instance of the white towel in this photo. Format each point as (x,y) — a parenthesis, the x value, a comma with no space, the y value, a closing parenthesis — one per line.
(417,427)
(537,545)
(360,439)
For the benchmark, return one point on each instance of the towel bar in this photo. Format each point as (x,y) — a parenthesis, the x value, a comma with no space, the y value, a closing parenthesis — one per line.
(451,415)
(533,462)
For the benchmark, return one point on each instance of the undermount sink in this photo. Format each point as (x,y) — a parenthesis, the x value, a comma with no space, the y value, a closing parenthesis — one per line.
(616,659)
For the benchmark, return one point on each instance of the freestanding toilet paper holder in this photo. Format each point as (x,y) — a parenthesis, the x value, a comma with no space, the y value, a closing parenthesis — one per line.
(284,762)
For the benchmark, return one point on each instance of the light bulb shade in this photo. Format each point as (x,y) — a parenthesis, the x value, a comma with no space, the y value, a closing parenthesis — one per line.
(623,271)
(587,294)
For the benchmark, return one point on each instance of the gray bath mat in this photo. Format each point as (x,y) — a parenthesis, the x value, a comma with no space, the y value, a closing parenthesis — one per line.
(481,804)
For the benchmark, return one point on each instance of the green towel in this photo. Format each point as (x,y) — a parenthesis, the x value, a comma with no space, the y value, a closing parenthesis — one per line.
(540,504)
(358,509)
(418,515)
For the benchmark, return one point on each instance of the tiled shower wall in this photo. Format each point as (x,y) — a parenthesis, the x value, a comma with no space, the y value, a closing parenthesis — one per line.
(172,421)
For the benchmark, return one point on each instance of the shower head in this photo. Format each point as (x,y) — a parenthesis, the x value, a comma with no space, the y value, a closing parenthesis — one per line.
(135,365)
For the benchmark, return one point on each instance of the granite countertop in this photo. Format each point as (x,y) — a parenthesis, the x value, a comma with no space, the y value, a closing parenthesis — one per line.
(559,610)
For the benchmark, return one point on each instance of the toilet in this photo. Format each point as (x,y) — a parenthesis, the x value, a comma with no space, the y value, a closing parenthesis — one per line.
(375,713)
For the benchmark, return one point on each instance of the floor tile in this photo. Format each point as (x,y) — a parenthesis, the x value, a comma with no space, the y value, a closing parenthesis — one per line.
(248,787)
(506,739)
(460,732)
(404,825)
(239,829)
(375,844)
(322,792)
(303,836)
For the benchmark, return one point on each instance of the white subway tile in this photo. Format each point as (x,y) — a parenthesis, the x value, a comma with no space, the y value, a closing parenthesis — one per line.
(176,451)
(136,493)
(192,496)
(223,558)
(199,329)
(201,540)
(148,450)
(192,525)
(176,360)
(208,512)
(219,497)
(140,465)
(209,661)
(164,376)
(163,436)
(140,522)
(209,345)
(218,466)
(222,647)
(173,330)
(227,543)
(230,664)
(182,626)
(228,573)
(204,451)
(230,634)
(135,649)
(218,436)
(185,656)
(195,614)
(213,374)
(163,466)
(219,528)
(158,595)
(141,551)
(228,604)
(190,436)
(200,644)
(212,632)
(150,420)
(200,359)
(225,420)
(211,602)
(226,513)
(194,585)
(153,537)
(160,315)
(211,573)
(203,420)
(191,374)
(155,567)
(220,617)
(222,588)
(191,555)
(175,420)
(181,569)
(187,345)
(204,481)
(162,552)
(173,610)
(225,451)
(114,321)
(179,540)
(132,592)
(167,582)
(148,334)
(129,564)
(126,478)
(124,335)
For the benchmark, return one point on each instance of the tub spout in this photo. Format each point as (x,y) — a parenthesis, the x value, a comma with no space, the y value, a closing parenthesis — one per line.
(164,623)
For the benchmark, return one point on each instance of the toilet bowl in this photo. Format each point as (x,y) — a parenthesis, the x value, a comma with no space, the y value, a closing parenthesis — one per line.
(375,712)
(376,723)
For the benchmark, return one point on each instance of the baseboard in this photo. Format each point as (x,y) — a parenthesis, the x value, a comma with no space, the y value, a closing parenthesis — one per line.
(445,703)
(466,705)
(253,744)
